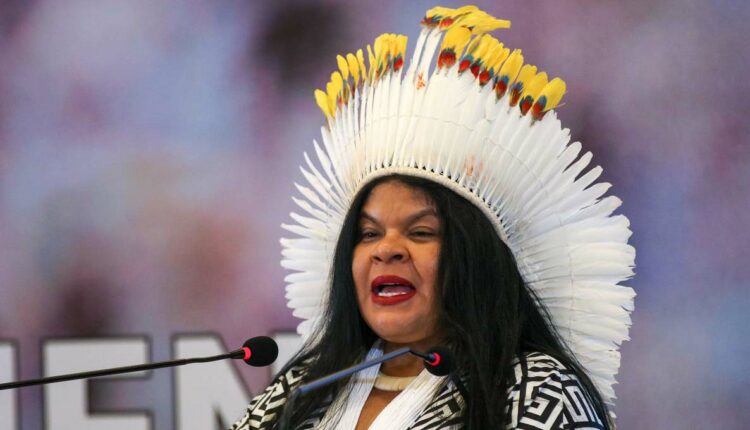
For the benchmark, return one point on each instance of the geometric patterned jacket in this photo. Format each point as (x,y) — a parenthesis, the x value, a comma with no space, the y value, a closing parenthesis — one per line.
(545,395)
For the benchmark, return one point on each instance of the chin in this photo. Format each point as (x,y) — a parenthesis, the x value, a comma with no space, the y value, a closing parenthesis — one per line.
(394,333)
(397,338)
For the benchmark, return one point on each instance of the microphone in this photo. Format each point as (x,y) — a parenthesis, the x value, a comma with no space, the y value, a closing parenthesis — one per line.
(438,361)
(257,351)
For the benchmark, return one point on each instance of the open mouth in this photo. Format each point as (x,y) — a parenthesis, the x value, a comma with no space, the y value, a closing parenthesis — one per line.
(391,289)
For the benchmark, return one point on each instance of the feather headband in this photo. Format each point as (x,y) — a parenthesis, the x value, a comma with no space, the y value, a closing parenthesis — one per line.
(480,122)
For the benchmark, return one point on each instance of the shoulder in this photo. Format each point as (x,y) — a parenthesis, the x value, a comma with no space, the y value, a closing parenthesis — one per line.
(545,394)
(263,409)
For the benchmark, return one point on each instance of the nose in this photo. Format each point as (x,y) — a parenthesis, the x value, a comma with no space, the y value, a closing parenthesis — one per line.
(390,249)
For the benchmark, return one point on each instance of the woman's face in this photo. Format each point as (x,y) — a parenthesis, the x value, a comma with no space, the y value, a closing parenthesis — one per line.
(395,264)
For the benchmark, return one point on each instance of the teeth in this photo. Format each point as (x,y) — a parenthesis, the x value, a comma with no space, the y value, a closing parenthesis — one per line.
(391,293)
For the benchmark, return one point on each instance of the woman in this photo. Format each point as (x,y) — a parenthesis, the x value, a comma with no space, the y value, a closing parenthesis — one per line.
(450,210)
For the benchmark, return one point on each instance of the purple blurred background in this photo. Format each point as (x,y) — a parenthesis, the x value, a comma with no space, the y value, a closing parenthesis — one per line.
(148,151)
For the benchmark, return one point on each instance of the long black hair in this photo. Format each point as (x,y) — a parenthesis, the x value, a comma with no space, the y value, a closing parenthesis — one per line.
(493,318)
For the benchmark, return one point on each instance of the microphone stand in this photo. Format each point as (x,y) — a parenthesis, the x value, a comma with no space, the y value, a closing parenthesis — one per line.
(314,385)
(321,382)
(240,353)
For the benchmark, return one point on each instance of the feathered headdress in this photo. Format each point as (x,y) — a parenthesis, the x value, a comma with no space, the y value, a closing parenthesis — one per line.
(479,121)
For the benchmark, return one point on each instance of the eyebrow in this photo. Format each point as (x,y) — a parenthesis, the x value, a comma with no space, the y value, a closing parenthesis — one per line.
(413,218)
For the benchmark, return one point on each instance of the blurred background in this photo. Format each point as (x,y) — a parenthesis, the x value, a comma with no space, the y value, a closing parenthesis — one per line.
(148,151)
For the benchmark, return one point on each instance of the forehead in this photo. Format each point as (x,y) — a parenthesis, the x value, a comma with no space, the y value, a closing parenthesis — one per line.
(396,196)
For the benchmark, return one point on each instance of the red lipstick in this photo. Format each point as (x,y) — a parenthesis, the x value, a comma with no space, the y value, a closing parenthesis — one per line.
(391,289)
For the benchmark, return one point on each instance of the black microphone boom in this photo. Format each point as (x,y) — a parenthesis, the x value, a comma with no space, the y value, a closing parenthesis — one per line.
(438,361)
(257,351)
(322,382)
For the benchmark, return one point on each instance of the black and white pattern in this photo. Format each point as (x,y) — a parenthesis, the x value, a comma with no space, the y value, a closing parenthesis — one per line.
(266,407)
(545,396)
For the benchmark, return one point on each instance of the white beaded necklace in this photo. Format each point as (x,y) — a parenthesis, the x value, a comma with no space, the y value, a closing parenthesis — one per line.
(392,383)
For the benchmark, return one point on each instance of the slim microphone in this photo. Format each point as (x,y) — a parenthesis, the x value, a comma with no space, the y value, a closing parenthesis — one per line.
(439,360)
(257,351)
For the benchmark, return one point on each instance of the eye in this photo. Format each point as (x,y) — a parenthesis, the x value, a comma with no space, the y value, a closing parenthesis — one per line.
(367,234)
(423,233)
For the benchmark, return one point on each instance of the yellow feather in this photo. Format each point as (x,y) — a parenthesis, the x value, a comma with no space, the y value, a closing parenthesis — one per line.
(381,42)
(321,98)
(456,38)
(361,61)
(351,61)
(335,90)
(446,12)
(389,51)
(554,92)
(399,51)
(402,41)
(490,58)
(378,45)
(343,67)
(438,11)
(534,85)
(332,93)
(493,47)
(527,72)
(371,62)
(491,52)
(498,57)
(472,48)
(337,81)
(466,16)
(392,47)
(517,89)
(448,18)
(511,66)
(481,22)
(483,47)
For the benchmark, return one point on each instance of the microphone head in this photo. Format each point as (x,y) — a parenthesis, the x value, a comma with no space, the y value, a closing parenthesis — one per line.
(260,351)
(442,363)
